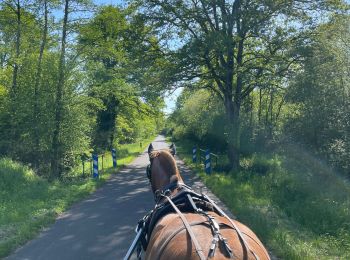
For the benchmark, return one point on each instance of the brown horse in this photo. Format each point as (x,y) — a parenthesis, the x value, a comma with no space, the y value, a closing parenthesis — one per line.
(206,235)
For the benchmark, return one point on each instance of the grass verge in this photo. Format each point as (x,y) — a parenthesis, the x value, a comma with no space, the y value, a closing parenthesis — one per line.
(29,203)
(297,205)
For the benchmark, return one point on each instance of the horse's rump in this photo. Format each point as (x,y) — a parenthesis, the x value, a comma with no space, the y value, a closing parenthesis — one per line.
(170,240)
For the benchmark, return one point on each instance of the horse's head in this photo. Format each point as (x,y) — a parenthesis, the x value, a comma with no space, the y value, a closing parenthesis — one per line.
(162,170)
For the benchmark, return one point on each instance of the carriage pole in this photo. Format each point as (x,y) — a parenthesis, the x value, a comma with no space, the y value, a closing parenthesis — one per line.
(133,245)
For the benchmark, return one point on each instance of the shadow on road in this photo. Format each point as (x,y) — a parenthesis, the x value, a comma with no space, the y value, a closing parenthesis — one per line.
(102,226)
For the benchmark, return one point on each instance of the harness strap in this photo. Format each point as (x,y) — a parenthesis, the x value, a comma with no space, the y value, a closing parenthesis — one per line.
(167,241)
(199,250)
(217,236)
(215,229)
(240,235)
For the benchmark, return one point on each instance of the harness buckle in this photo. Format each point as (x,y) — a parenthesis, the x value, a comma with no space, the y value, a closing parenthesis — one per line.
(167,192)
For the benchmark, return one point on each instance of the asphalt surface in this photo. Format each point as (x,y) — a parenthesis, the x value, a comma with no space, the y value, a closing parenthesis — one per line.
(102,226)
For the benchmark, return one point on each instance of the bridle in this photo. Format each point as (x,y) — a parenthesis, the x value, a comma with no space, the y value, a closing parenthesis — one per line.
(149,176)
(165,194)
(170,187)
(149,166)
(157,192)
(149,172)
(149,169)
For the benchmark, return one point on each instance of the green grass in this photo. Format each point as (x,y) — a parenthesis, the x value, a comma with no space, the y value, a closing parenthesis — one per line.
(29,203)
(297,205)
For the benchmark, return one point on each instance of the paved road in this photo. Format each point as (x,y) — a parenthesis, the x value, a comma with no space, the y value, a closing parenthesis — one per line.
(102,226)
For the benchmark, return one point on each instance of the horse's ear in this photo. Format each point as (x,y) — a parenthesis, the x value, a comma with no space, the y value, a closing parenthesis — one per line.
(172,149)
(150,148)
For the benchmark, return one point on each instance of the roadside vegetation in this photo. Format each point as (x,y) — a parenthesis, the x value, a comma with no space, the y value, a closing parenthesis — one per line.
(29,203)
(292,183)
(265,84)
(62,98)
(297,206)
(71,85)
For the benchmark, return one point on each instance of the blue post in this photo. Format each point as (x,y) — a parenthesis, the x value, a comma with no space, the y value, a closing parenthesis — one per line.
(194,154)
(95,165)
(207,163)
(114,157)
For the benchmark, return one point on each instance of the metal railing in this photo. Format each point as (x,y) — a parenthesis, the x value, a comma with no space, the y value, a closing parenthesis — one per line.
(89,160)
(204,157)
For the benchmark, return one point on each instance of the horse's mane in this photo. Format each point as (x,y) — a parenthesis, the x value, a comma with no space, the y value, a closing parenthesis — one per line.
(154,154)
(167,161)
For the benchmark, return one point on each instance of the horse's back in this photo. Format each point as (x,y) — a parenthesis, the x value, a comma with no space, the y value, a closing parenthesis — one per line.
(170,239)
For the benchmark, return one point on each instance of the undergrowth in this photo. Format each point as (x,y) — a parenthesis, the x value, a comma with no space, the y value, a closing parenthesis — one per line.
(28,202)
(297,205)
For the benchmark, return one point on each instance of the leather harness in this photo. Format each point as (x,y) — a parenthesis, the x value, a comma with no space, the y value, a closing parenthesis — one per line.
(186,200)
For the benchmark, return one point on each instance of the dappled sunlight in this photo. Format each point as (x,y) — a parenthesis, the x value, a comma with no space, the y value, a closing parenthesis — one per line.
(93,216)
(257,91)
(103,224)
(68,237)
(79,227)
(300,207)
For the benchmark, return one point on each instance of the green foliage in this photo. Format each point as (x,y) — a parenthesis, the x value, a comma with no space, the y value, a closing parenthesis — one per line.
(200,117)
(320,92)
(28,203)
(110,64)
(294,138)
(20,122)
(311,108)
(299,207)
(133,126)
(233,48)
(97,89)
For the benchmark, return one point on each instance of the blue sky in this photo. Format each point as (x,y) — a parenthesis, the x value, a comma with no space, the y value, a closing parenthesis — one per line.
(108,2)
(170,100)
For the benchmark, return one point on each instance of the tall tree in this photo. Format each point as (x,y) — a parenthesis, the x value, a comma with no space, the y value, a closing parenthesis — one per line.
(113,41)
(320,94)
(37,82)
(232,45)
(104,41)
(17,9)
(16,23)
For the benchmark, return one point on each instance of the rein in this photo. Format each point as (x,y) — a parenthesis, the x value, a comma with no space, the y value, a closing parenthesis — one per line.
(199,249)
(186,199)
(187,195)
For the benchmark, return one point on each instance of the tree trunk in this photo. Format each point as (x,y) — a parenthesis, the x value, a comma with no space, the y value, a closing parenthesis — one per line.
(260,107)
(271,115)
(13,123)
(105,129)
(36,89)
(233,132)
(266,112)
(251,121)
(18,46)
(56,161)
(233,109)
